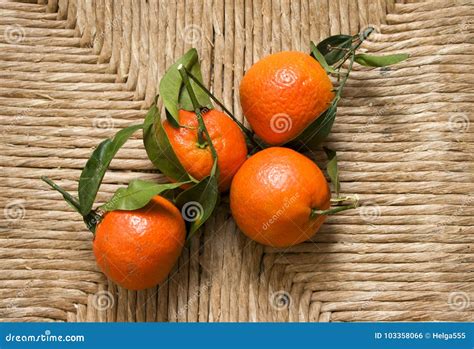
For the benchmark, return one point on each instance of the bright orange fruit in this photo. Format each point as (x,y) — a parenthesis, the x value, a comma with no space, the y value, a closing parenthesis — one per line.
(226,137)
(283,93)
(272,196)
(137,249)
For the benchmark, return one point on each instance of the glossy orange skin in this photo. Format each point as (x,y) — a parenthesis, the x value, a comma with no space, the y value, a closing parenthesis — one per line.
(138,249)
(226,137)
(272,195)
(283,93)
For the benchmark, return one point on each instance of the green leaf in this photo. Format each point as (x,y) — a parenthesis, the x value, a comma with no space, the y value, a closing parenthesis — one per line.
(171,119)
(97,165)
(320,58)
(335,47)
(317,131)
(71,200)
(332,169)
(380,61)
(172,90)
(137,195)
(198,202)
(158,147)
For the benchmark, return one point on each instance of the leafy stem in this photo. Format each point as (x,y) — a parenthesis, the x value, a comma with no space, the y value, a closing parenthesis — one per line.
(358,40)
(198,110)
(316,212)
(344,79)
(338,200)
(248,134)
(91,219)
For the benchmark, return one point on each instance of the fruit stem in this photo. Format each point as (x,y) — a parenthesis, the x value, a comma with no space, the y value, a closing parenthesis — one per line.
(92,219)
(315,213)
(248,134)
(342,199)
(197,109)
(344,79)
(359,39)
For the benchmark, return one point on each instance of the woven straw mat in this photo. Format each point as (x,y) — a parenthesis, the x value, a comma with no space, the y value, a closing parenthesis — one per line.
(74,72)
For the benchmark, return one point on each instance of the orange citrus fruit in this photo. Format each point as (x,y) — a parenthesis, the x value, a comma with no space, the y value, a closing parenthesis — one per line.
(272,196)
(137,249)
(226,137)
(283,93)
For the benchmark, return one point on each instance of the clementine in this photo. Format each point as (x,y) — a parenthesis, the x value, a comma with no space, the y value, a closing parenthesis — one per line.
(137,249)
(273,194)
(226,136)
(283,93)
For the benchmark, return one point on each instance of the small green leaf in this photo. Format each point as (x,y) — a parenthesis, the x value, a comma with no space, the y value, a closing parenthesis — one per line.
(380,61)
(198,202)
(317,131)
(320,58)
(332,169)
(158,147)
(335,47)
(137,195)
(171,119)
(97,165)
(174,94)
(71,200)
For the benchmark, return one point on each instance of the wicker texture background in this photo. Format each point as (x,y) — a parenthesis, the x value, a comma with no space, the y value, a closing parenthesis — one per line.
(73,72)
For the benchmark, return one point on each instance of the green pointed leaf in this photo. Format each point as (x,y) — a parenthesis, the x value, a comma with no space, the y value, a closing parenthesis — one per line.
(71,200)
(158,147)
(172,90)
(332,169)
(97,165)
(198,202)
(137,195)
(335,47)
(317,131)
(171,119)
(380,61)
(320,58)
